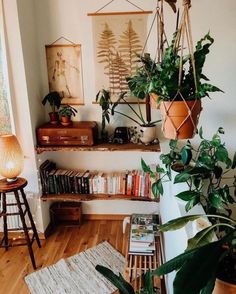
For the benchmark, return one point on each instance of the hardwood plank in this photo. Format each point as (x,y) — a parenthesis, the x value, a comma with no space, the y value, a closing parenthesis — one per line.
(15,263)
(102,147)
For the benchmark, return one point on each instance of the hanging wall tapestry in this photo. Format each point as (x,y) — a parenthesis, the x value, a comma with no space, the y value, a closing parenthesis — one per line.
(118,38)
(65,72)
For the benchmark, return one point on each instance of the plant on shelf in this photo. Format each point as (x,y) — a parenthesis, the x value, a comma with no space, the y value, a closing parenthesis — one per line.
(205,170)
(206,263)
(54,99)
(139,83)
(111,108)
(65,114)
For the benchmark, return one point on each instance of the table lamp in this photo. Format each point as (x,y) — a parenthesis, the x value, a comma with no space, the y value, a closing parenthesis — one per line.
(11,157)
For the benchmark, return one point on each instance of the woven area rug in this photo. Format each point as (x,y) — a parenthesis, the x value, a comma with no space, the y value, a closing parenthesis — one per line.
(77,273)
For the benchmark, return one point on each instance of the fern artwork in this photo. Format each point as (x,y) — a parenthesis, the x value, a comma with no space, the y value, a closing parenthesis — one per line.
(118,39)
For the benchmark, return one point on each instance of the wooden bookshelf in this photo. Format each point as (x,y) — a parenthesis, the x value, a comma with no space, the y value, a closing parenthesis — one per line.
(102,147)
(89,197)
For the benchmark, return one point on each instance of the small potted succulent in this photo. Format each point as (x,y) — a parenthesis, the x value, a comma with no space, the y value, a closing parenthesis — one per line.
(54,99)
(65,114)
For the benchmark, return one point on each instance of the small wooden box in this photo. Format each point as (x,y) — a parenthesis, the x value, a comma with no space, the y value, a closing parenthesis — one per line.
(68,213)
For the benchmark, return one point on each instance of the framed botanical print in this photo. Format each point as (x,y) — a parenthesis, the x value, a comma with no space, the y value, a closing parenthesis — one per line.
(119,38)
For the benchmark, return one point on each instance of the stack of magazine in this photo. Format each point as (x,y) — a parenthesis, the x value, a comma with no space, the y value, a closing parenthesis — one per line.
(142,234)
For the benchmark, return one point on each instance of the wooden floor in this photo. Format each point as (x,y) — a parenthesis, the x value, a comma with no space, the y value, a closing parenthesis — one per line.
(64,242)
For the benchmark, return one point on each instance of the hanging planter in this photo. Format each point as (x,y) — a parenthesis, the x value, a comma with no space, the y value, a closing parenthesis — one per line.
(180,118)
(180,82)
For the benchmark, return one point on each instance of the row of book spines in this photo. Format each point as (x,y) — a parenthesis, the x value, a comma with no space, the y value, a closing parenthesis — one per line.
(67,181)
(58,181)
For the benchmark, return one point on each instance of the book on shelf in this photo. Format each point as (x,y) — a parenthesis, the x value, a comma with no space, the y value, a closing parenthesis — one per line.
(55,180)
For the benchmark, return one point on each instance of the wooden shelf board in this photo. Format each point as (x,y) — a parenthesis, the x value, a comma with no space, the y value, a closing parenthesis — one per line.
(102,147)
(88,197)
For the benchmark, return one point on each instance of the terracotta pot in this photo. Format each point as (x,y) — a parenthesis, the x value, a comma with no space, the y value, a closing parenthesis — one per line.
(148,134)
(180,118)
(153,101)
(222,287)
(66,120)
(54,118)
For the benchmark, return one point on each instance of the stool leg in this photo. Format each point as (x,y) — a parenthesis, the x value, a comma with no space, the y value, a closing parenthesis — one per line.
(27,238)
(4,210)
(30,217)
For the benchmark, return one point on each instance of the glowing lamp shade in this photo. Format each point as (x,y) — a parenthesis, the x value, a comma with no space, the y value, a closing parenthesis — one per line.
(11,157)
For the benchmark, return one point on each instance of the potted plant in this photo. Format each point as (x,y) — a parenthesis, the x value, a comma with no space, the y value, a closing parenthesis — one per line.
(205,265)
(54,99)
(65,114)
(140,82)
(180,85)
(204,169)
(110,108)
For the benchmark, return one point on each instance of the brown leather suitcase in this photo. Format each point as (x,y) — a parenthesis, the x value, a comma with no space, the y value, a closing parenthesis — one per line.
(83,133)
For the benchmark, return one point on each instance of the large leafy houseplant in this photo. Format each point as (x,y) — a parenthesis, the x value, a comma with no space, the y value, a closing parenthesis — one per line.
(180,84)
(110,108)
(203,261)
(166,81)
(207,170)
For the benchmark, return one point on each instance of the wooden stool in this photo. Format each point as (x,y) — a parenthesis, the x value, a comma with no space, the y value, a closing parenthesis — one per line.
(6,187)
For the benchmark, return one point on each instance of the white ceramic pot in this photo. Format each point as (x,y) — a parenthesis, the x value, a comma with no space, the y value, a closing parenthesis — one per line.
(148,134)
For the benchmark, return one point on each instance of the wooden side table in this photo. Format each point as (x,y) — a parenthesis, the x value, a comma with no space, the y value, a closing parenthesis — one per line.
(137,265)
(21,204)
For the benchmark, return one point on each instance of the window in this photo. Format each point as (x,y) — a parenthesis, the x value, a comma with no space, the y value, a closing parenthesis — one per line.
(6,122)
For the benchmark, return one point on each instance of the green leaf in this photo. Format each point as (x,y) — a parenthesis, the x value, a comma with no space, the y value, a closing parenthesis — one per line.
(216,141)
(145,167)
(221,154)
(187,195)
(234,161)
(160,169)
(216,200)
(192,202)
(182,177)
(186,155)
(148,282)
(118,281)
(221,130)
(200,132)
(173,144)
(203,264)
(218,171)
(157,188)
(202,238)
(178,223)
(174,263)
(208,289)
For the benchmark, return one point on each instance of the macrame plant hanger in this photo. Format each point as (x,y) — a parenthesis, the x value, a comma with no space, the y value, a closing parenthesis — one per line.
(183,32)
(161,40)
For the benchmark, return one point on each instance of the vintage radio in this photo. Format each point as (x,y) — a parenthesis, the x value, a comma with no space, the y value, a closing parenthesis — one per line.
(78,133)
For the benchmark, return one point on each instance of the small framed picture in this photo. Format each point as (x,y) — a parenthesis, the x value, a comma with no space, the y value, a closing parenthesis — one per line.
(64,67)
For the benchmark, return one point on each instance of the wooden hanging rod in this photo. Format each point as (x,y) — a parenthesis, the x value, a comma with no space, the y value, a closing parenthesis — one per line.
(120,13)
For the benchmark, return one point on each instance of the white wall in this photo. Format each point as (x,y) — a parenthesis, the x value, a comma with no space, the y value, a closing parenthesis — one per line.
(33,24)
